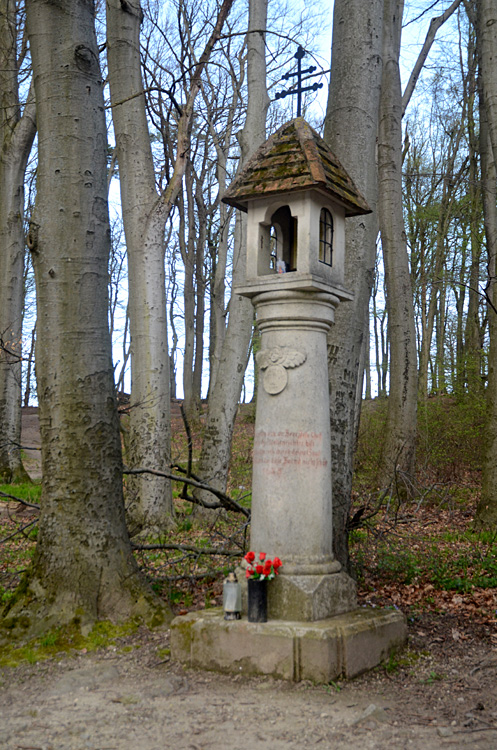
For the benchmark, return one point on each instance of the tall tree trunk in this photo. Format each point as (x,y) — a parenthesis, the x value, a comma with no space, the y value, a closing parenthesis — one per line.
(83,568)
(486,512)
(400,434)
(487,40)
(351,128)
(472,352)
(144,220)
(187,230)
(16,138)
(225,394)
(127,19)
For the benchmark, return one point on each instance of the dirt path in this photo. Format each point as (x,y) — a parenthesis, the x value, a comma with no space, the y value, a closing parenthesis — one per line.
(129,697)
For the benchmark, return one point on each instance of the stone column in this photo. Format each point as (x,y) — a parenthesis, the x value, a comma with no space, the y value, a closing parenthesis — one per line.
(291,486)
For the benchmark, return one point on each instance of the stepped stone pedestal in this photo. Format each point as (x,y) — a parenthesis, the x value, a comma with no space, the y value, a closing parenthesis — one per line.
(321,651)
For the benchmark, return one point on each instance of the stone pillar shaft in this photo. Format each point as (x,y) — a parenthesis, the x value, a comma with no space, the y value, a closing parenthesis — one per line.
(291,488)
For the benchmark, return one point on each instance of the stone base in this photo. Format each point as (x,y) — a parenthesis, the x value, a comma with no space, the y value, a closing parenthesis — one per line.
(342,646)
(309,598)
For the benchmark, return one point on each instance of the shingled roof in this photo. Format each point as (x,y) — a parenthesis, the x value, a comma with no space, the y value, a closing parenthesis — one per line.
(295,158)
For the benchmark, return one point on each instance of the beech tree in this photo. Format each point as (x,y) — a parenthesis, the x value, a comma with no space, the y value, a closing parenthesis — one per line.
(17,131)
(83,568)
(398,452)
(144,219)
(400,433)
(350,129)
(226,389)
(486,31)
(145,214)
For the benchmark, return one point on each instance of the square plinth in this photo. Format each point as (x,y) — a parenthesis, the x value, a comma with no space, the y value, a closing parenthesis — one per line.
(310,598)
(341,646)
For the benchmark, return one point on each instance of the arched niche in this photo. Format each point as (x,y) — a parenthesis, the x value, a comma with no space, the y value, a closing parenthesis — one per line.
(278,242)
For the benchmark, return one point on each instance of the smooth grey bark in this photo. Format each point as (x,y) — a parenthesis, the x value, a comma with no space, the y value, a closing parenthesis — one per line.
(83,568)
(486,29)
(148,319)
(16,138)
(150,504)
(486,13)
(192,244)
(469,370)
(351,128)
(399,447)
(225,392)
(219,243)
(398,454)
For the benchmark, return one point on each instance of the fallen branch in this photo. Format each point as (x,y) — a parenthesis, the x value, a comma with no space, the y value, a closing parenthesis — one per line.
(19,500)
(189,548)
(225,501)
(19,531)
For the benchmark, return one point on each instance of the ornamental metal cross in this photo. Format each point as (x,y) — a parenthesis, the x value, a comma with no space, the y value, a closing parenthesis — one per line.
(300,89)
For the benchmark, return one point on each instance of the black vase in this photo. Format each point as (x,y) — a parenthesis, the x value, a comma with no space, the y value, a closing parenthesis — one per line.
(257,600)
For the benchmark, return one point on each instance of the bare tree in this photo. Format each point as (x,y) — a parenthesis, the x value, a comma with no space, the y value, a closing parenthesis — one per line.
(486,30)
(145,215)
(350,130)
(144,219)
(83,568)
(400,434)
(225,392)
(17,131)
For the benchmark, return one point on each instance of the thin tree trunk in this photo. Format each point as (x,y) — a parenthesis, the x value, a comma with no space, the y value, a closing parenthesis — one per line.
(16,138)
(150,505)
(487,39)
(29,367)
(398,452)
(225,394)
(187,248)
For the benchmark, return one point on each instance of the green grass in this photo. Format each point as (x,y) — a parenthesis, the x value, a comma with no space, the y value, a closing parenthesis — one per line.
(469,565)
(65,640)
(29,492)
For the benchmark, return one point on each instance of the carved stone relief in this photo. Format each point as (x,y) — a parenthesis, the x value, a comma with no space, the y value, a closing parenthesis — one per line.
(275,362)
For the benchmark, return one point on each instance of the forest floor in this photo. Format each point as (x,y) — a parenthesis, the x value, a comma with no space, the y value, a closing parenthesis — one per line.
(441,693)
(422,557)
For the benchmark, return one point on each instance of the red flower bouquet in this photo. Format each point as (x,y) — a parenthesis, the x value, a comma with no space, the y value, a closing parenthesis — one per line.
(262,570)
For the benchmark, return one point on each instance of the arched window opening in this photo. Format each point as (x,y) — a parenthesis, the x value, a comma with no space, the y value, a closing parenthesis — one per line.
(274,247)
(326,237)
(283,239)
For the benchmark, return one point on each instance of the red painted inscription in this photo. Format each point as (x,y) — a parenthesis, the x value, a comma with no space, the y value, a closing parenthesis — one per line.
(279,451)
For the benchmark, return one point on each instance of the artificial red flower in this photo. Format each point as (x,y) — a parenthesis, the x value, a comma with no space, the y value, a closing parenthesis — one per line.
(266,570)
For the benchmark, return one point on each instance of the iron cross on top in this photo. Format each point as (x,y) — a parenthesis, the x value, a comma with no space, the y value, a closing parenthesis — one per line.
(300,89)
